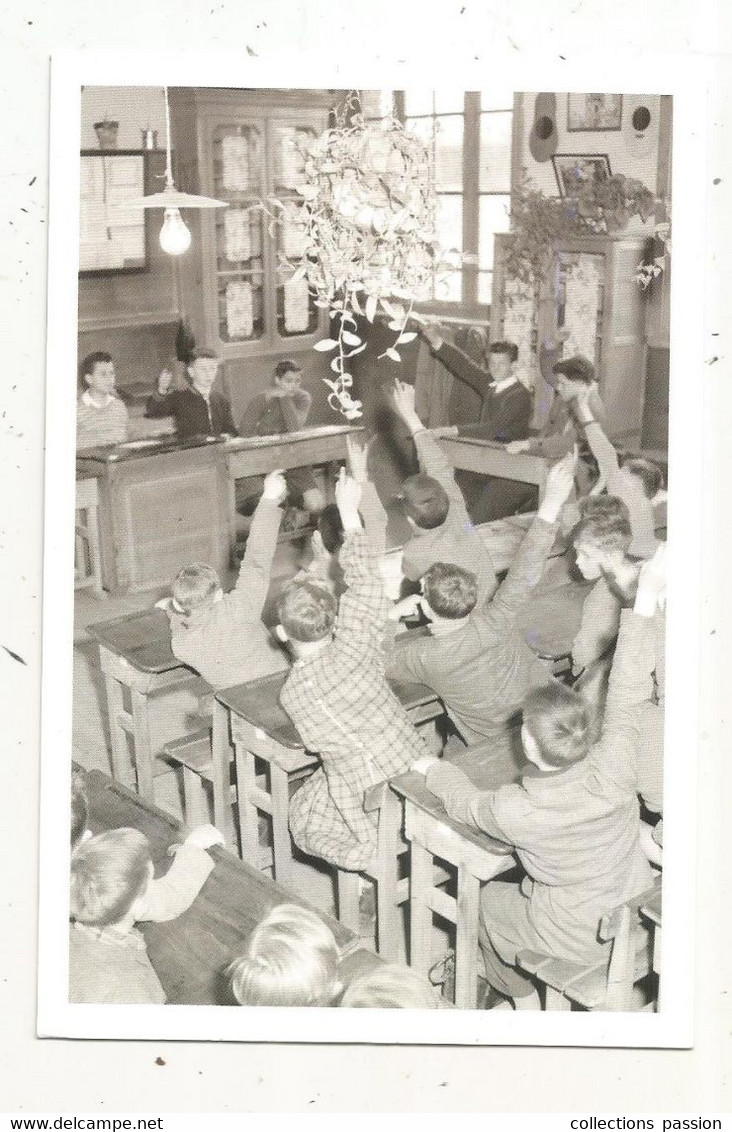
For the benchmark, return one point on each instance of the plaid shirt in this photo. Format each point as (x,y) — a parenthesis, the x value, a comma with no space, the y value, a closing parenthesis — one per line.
(344,709)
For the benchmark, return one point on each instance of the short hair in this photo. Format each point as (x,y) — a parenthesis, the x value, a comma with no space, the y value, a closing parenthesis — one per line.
(604,523)
(287,365)
(425,501)
(330,526)
(503,347)
(576,368)
(647,472)
(307,610)
(450,590)
(391,986)
(79,808)
(194,586)
(292,960)
(559,721)
(108,873)
(90,361)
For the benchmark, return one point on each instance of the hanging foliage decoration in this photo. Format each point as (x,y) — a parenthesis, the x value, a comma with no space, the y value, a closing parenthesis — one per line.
(366,218)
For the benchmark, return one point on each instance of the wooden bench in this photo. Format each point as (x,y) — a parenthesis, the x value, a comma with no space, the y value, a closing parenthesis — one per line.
(607,985)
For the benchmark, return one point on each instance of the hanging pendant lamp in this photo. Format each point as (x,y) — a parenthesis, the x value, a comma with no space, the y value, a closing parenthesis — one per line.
(175,236)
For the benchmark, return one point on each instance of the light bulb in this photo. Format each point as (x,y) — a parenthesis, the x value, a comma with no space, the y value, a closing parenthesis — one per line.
(175,237)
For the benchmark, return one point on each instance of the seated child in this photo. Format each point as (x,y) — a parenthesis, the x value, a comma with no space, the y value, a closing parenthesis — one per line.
(284,407)
(476,657)
(198,411)
(291,960)
(636,481)
(337,696)
(436,510)
(222,635)
(101,418)
(601,543)
(507,403)
(112,889)
(573,819)
(390,986)
(560,431)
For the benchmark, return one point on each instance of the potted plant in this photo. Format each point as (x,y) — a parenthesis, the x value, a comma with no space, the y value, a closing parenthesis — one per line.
(609,204)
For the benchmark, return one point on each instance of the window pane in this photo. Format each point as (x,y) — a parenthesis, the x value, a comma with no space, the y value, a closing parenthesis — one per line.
(445,137)
(449,101)
(499,98)
(495,153)
(418,102)
(493,218)
(449,223)
(485,286)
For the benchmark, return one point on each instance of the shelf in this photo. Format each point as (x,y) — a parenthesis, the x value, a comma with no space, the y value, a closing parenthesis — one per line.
(123,321)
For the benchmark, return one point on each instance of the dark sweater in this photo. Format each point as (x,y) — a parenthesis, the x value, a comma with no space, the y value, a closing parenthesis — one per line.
(193,417)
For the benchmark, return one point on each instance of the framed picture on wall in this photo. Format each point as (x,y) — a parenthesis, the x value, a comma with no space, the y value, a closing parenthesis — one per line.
(111,237)
(574,169)
(594,112)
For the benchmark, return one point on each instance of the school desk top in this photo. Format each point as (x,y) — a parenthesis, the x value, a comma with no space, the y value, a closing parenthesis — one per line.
(190,953)
(259,703)
(142,639)
(157,445)
(412,788)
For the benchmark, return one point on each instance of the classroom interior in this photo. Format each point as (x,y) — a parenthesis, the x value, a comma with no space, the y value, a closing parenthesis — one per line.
(157,750)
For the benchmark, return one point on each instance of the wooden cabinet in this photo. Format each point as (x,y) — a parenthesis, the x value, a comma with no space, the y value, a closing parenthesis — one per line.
(245,147)
(589,291)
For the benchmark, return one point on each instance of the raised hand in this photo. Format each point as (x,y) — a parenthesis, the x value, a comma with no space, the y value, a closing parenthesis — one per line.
(348,497)
(164,382)
(357,459)
(404,398)
(275,487)
(433,333)
(651,593)
(559,484)
(204,836)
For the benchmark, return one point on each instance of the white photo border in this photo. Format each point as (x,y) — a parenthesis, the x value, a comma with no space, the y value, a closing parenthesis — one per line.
(672,1026)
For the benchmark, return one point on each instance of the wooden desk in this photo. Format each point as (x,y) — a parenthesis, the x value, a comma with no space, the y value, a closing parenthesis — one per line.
(190,954)
(136,658)
(474,453)
(476,857)
(270,756)
(164,503)
(652,911)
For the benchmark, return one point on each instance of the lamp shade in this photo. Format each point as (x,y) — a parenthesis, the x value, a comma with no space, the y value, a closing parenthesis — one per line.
(171,198)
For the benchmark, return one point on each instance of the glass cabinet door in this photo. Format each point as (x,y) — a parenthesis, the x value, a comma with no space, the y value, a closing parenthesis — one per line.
(239,178)
(295,310)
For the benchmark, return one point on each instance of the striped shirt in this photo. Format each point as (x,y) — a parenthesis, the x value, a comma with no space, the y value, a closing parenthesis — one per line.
(100,424)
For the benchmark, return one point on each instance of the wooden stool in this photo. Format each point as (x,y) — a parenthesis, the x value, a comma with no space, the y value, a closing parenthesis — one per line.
(87,559)
(391,890)
(476,857)
(607,985)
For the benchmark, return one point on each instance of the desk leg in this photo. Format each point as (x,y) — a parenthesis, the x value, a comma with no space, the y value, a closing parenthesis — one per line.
(420,909)
(221,753)
(388,919)
(281,845)
(143,745)
(466,941)
(122,770)
(246,783)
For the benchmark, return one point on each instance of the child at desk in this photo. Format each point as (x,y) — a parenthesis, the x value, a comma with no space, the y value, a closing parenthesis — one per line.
(573,819)
(101,418)
(291,960)
(222,635)
(436,509)
(285,407)
(601,543)
(338,698)
(198,410)
(475,656)
(112,889)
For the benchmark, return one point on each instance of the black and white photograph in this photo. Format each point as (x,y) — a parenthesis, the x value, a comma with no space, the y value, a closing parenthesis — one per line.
(594,112)
(369,556)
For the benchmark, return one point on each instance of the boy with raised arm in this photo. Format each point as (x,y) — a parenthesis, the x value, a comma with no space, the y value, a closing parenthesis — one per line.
(476,657)
(573,819)
(222,635)
(436,509)
(338,697)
